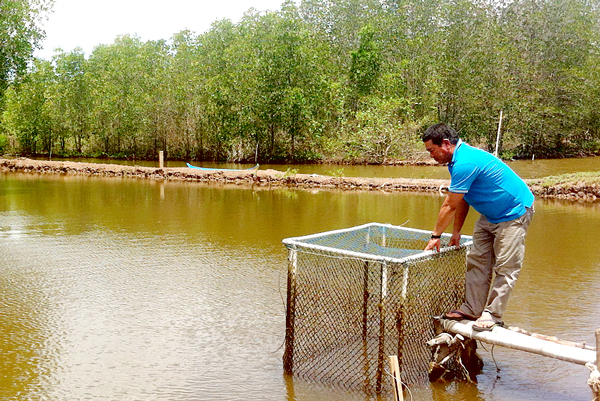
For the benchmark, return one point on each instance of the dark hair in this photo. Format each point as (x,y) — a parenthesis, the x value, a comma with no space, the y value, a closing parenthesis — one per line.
(438,132)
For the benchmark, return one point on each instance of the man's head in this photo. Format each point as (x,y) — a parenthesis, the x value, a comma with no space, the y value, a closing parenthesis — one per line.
(440,141)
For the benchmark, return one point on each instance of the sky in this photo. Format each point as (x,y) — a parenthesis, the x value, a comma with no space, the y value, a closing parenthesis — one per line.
(88,23)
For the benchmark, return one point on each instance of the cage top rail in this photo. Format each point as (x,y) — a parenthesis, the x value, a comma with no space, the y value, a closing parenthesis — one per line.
(357,242)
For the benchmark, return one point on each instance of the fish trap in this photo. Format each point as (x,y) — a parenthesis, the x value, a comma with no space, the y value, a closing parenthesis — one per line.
(358,295)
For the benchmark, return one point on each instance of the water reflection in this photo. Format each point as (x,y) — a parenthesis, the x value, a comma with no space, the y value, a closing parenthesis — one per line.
(23,330)
(128,289)
(455,391)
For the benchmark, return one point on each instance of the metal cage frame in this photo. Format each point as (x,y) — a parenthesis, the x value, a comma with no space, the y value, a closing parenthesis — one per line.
(385,276)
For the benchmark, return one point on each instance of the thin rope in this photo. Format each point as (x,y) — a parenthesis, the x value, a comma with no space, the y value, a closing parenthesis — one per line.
(284,309)
(492,355)
(396,380)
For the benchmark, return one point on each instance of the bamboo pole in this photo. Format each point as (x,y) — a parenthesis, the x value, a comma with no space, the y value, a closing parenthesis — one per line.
(396,382)
(365,324)
(510,339)
(551,338)
(498,134)
(382,318)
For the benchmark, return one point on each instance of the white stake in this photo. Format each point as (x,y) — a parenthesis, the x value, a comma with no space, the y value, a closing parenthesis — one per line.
(498,134)
(397,383)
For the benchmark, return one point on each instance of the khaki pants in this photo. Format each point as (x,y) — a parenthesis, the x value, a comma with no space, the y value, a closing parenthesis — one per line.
(500,249)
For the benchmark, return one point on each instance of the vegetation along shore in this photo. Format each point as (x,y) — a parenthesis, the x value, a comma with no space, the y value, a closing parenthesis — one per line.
(351,81)
(576,186)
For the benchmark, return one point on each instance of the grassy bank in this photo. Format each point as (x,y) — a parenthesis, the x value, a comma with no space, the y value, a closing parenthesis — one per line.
(577,186)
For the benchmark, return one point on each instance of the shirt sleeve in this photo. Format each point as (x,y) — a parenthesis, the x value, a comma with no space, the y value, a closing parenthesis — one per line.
(463,176)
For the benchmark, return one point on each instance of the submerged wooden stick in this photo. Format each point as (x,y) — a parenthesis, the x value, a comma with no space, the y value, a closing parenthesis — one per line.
(598,348)
(396,382)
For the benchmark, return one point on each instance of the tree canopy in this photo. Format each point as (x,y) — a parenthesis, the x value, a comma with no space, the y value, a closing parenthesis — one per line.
(347,80)
(20,35)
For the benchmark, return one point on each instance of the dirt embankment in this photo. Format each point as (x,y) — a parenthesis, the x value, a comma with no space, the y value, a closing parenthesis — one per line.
(577,191)
(274,178)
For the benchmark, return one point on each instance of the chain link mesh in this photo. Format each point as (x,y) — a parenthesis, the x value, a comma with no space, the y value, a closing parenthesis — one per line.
(358,295)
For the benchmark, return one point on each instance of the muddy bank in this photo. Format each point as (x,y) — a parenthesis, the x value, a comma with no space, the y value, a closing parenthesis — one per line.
(275,178)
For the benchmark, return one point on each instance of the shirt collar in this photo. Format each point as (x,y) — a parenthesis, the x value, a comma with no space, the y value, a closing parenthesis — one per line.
(460,142)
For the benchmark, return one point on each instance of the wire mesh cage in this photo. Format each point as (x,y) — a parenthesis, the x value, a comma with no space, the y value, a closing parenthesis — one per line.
(358,295)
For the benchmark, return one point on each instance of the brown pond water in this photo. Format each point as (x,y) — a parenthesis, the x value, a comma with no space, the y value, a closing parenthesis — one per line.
(126,289)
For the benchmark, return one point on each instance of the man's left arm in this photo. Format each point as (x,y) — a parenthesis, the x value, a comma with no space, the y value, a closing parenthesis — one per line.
(462,210)
(451,204)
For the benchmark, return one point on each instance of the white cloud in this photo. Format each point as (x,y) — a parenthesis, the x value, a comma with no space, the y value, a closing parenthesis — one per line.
(88,23)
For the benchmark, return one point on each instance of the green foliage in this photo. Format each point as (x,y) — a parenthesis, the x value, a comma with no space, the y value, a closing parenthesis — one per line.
(350,81)
(290,172)
(69,101)
(338,173)
(20,35)
(3,144)
(25,115)
(366,63)
(587,177)
(378,133)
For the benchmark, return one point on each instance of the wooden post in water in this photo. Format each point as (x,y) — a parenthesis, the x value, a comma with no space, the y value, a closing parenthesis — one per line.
(396,382)
(161,159)
(290,316)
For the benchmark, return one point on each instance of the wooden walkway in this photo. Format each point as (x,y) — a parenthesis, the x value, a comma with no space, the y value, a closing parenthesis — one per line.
(522,340)
(518,339)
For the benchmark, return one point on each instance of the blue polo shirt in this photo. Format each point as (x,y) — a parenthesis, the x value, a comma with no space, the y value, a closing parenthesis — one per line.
(488,184)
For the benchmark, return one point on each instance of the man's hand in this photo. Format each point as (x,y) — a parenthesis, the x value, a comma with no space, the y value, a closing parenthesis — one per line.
(434,243)
(455,240)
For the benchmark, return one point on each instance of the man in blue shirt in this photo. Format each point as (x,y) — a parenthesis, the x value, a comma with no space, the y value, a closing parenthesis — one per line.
(482,181)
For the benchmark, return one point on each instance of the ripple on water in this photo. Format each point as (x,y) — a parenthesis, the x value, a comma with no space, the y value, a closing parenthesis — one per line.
(121,316)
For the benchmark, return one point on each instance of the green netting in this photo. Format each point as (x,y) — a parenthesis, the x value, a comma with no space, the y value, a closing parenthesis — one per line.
(358,295)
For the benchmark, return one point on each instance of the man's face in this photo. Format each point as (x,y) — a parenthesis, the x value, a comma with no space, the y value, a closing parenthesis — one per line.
(440,153)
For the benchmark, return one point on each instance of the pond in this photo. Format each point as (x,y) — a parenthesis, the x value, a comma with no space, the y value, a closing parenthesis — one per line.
(130,289)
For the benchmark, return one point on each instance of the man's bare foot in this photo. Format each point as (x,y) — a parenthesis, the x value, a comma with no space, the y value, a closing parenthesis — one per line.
(486,322)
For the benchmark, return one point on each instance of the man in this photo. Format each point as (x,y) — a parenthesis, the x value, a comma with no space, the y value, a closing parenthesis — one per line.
(482,181)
